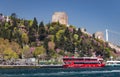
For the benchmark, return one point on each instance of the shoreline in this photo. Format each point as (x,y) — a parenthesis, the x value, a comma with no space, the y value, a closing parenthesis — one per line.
(31,66)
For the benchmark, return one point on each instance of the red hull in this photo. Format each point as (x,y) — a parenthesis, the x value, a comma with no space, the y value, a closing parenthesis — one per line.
(83,65)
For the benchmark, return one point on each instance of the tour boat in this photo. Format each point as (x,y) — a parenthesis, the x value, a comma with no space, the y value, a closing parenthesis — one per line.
(113,63)
(82,62)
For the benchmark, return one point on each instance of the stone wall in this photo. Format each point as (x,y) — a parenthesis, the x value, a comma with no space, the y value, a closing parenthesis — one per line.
(60,17)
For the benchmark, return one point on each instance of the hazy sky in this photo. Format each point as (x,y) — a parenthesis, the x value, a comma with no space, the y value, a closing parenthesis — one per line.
(94,15)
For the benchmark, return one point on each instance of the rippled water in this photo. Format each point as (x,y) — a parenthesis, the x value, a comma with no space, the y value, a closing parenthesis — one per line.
(61,72)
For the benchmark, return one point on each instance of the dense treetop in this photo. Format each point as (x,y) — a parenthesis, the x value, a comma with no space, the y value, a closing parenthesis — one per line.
(20,38)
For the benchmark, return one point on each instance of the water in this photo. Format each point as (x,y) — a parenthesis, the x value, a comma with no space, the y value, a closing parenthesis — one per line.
(61,72)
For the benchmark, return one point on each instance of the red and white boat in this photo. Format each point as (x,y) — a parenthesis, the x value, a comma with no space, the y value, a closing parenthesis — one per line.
(82,62)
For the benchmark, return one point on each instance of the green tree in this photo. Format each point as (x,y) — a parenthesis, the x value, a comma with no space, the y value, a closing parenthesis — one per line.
(10,54)
(59,34)
(13,15)
(79,32)
(35,24)
(26,53)
(75,36)
(67,33)
(33,31)
(39,51)
(52,30)
(24,38)
(9,49)
(41,31)
(46,45)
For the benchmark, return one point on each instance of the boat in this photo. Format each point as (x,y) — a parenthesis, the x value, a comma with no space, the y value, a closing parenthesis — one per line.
(113,63)
(83,62)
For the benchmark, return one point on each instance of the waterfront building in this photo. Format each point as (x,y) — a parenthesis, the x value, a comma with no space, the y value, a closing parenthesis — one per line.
(4,18)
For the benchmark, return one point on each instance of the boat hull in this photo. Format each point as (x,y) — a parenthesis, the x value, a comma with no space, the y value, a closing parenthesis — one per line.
(83,65)
(112,65)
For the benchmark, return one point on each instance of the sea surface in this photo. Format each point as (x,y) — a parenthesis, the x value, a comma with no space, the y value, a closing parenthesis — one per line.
(61,72)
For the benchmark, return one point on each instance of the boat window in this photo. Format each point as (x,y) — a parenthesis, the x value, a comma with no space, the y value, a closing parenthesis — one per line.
(67,59)
(86,62)
(109,62)
(87,59)
(79,59)
(67,62)
(90,59)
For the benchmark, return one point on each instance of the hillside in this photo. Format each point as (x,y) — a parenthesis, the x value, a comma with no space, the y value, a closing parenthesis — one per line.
(47,41)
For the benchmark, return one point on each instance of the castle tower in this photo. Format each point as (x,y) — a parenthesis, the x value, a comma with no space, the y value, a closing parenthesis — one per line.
(99,35)
(60,17)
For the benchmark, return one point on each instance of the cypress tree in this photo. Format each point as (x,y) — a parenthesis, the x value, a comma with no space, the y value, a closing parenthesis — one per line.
(41,31)
(35,24)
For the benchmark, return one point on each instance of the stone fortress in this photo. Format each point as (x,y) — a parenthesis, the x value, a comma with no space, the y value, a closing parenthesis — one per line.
(99,35)
(62,18)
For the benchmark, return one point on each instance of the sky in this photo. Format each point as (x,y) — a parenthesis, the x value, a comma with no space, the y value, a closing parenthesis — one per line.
(93,15)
